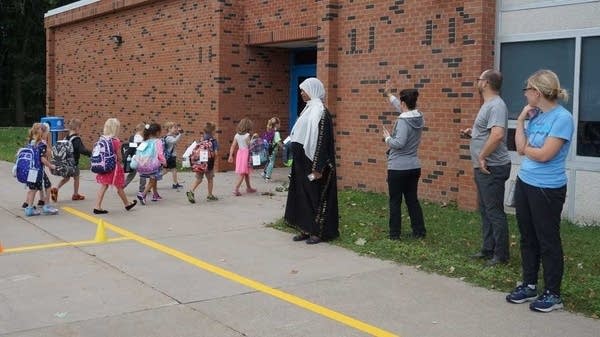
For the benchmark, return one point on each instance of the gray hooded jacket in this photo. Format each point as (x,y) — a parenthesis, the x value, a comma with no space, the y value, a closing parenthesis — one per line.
(404,140)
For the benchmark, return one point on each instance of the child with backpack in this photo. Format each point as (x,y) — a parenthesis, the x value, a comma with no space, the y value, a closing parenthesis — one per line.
(273,138)
(242,167)
(174,133)
(78,149)
(148,161)
(203,162)
(30,169)
(106,163)
(134,141)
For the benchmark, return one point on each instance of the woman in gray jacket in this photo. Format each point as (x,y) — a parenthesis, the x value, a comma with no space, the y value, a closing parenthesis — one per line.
(404,168)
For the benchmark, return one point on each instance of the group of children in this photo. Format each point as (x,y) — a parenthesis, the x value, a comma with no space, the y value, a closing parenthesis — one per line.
(149,155)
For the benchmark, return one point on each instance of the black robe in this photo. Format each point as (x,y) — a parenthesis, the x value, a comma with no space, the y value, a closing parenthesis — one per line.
(312,206)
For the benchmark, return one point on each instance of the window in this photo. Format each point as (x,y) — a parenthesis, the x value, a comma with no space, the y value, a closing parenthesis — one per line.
(518,60)
(588,126)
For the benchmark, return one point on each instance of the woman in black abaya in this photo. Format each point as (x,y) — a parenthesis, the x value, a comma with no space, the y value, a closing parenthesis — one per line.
(312,206)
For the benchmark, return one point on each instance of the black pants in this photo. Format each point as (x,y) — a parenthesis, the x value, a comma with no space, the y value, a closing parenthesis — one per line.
(538,215)
(490,197)
(405,183)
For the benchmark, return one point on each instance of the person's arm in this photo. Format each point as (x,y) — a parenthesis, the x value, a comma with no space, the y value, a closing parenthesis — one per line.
(79,147)
(491,144)
(45,158)
(117,147)
(324,155)
(400,137)
(231,150)
(545,153)
(520,136)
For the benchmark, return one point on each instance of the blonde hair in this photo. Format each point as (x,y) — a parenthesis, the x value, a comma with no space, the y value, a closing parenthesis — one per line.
(111,127)
(244,126)
(168,125)
(140,127)
(210,128)
(272,122)
(546,82)
(74,124)
(37,131)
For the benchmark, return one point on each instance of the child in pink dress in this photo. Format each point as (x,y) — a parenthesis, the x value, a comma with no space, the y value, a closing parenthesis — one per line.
(242,168)
(115,177)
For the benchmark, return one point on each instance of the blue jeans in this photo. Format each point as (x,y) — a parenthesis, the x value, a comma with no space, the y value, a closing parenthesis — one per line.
(269,167)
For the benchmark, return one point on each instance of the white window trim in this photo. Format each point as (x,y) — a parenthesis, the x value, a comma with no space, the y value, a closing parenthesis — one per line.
(542,4)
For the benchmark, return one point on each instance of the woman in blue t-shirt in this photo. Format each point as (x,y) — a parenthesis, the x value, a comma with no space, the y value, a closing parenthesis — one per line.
(541,189)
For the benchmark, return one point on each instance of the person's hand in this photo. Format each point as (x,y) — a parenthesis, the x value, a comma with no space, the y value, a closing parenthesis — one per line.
(230,159)
(528,111)
(466,132)
(483,166)
(386,133)
(386,89)
(317,175)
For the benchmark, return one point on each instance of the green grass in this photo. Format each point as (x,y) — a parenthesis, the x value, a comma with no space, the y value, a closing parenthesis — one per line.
(453,235)
(11,139)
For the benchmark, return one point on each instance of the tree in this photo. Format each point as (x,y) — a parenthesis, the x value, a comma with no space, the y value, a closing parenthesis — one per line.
(23,59)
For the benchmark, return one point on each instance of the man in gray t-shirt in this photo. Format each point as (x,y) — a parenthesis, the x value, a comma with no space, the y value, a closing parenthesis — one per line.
(491,163)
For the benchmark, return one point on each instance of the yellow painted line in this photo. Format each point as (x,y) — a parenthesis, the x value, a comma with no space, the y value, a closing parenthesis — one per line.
(59,244)
(334,315)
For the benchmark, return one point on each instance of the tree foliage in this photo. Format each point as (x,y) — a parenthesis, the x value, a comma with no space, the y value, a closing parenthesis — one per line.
(23,59)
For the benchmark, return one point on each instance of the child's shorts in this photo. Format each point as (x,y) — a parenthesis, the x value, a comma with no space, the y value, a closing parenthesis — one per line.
(172,162)
(37,186)
(208,174)
(156,175)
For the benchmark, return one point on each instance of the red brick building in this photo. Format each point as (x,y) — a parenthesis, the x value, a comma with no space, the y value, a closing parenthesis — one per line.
(198,61)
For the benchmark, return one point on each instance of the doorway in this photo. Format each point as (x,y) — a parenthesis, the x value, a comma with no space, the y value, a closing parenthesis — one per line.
(303,65)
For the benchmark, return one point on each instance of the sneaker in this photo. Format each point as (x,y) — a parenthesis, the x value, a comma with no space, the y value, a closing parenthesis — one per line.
(141,197)
(54,194)
(190,196)
(237,193)
(78,196)
(546,302)
(177,186)
(211,198)
(156,197)
(288,163)
(49,210)
(263,175)
(31,211)
(522,294)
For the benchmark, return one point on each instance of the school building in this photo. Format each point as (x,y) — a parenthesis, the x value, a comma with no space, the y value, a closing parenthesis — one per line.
(222,60)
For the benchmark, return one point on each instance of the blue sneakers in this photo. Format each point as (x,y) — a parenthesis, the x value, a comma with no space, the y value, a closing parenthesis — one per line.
(521,294)
(546,302)
(49,210)
(31,211)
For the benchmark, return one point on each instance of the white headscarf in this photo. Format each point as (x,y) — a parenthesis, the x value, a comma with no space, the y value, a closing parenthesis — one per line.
(306,129)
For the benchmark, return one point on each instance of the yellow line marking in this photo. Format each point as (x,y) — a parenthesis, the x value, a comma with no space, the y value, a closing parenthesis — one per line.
(59,244)
(334,315)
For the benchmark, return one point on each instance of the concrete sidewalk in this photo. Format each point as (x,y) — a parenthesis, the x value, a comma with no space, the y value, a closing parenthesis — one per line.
(129,289)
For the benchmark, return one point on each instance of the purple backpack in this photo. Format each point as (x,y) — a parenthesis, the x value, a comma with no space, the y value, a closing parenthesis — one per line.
(103,158)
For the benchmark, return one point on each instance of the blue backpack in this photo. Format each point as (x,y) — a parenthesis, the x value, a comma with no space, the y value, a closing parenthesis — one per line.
(145,160)
(104,158)
(28,160)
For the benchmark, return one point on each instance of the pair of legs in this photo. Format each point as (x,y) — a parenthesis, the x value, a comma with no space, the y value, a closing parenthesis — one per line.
(42,186)
(172,167)
(210,183)
(120,192)
(405,183)
(62,182)
(269,167)
(241,178)
(130,177)
(494,226)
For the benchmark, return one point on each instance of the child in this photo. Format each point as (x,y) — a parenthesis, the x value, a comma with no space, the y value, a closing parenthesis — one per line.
(241,140)
(37,135)
(209,130)
(136,139)
(174,133)
(78,150)
(274,138)
(151,134)
(115,177)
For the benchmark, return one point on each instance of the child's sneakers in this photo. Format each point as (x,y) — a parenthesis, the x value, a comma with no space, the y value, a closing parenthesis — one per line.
(141,197)
(156,197)
(190,197)
(211,198)
(177,186)
(31,211)
(49,210)
(77,196)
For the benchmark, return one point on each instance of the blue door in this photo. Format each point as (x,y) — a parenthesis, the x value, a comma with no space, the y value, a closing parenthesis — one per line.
(303,66)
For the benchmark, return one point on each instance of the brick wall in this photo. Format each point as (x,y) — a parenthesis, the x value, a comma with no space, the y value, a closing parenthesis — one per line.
(193,62)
